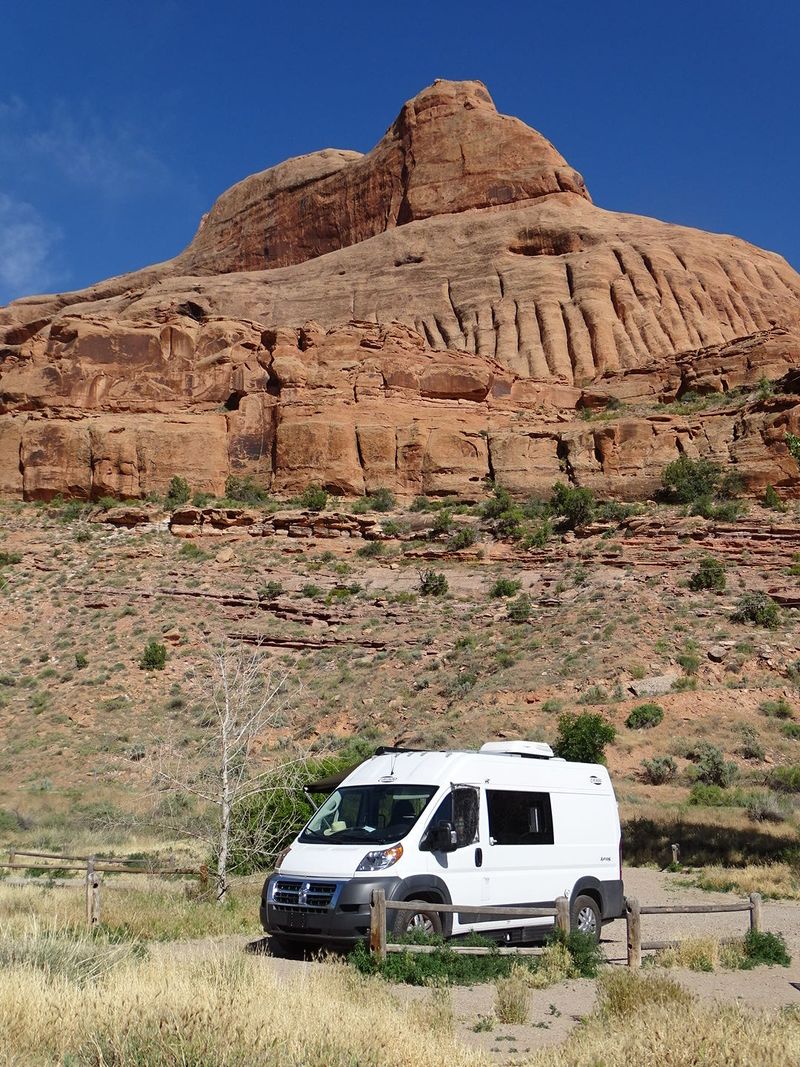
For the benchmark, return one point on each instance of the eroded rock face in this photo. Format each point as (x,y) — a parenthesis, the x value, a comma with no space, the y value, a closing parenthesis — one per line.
(424,316)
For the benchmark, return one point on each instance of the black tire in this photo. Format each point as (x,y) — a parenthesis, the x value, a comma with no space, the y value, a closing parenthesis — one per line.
(585,916)
(406,922)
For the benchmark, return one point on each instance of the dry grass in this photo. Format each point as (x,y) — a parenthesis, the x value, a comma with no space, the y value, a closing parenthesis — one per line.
(775,880)
(149,909)
(650,1021)
(512,996)
(234,1011)
(554,965)
(702,954)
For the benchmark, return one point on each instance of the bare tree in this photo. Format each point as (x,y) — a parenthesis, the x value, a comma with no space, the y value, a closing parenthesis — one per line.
(248,704)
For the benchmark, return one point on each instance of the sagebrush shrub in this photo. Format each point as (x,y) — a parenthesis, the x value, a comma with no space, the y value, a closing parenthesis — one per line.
(645,716)
(758,608)
(659,769)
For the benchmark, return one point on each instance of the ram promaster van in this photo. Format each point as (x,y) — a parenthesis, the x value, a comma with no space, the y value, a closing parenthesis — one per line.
(509,825)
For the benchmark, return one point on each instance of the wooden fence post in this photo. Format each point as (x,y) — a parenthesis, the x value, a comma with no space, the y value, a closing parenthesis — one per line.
(12,857)
(377,923)
(562,914)
(676,853)
(93,879)
(755,911)
(203,877)
(633,923)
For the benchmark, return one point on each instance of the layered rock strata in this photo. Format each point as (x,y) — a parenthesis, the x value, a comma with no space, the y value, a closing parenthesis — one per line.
(424,316)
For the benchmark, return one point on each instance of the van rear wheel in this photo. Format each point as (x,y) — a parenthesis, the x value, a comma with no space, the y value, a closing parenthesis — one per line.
(584,916)
(421,921)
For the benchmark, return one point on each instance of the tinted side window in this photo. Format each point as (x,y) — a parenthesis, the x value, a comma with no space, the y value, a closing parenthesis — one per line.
(519,818)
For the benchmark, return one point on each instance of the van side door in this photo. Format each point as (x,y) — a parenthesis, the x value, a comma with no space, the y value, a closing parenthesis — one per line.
(459,869)
(522,855)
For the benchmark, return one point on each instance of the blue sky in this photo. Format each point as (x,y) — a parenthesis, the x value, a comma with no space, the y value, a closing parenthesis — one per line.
(121,122)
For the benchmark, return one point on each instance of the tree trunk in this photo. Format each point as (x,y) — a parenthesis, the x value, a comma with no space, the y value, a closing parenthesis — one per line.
(224,819)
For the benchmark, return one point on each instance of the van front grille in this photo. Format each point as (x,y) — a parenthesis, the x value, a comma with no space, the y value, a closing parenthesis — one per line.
(295,894)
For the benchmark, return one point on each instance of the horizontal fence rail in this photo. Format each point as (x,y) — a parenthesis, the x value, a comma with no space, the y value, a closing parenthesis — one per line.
(94,868)
(379,944)
(634,912)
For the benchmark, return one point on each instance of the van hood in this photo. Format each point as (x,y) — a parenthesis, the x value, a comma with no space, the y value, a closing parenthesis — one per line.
(325,861)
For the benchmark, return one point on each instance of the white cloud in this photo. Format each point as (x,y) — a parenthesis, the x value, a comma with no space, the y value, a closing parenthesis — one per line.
(75,143)
(27,243)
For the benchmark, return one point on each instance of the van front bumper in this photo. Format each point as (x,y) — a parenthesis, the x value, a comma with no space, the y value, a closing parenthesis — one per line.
(320,909)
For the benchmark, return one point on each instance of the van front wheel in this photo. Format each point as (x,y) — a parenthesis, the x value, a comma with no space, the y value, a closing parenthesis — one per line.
(584,915)
(421,921)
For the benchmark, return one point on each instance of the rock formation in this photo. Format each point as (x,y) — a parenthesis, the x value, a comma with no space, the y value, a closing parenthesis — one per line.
(424,316)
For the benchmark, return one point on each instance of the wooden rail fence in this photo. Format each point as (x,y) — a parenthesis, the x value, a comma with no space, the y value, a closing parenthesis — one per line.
(379,944)
(95,867)
(634,912)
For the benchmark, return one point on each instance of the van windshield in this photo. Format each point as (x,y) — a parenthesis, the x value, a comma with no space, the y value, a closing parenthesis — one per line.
(379,813)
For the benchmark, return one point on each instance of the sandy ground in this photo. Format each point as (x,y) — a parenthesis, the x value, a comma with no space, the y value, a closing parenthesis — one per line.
(556,1010)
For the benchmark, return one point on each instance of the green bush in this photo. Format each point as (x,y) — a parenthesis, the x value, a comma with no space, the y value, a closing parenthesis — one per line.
(189,550)
(659,769)
(711,766)
(572,504)
(785,779)
(310,590)
(504,587)
(371,550)
(793,444)
(442,522)
(178,492)
(432,583)
(758,608)
(9,559)
(81,661)
(263,824)
(751,744)
(519,610)
(712,796)
(645,716)
(443,966)
(245,490)
(539,535)
(313,498)
(464,538)
(269,590)
(721,511)
(583,738)
(709,575)
(154,657)
(765,948)
(382,500)
(686,480)
(776,709)
(772,500)
(791,730)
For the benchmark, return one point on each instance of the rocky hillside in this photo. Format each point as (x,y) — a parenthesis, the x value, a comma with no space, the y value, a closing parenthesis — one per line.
(447,308)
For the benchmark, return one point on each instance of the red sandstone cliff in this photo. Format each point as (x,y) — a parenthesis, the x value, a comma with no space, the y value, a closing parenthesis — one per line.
(422,316)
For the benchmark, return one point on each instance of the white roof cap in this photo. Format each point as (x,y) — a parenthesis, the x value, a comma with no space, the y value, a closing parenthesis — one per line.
(535,749)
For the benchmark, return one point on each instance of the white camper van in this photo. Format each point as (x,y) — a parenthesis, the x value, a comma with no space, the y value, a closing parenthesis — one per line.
(508,825)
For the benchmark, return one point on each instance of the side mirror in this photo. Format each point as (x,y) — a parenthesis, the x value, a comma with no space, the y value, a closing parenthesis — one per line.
(442,838)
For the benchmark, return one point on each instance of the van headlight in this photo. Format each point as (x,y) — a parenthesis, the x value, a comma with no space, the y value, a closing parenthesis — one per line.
(379,861)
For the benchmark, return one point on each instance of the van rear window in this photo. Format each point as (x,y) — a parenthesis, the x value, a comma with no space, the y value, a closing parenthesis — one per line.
(517,818)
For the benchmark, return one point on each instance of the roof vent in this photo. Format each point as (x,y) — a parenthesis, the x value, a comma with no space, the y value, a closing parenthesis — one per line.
(531,749)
